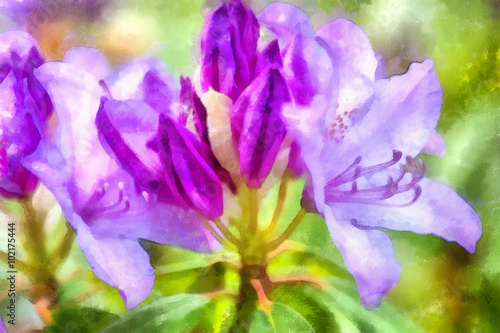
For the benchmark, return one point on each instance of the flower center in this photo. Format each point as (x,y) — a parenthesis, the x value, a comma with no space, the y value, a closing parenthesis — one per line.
(377,194)
(340,125)
(102,201)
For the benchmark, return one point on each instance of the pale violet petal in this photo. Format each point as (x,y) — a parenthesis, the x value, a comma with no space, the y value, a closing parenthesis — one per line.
(368,254)
(89,59)
(439,211)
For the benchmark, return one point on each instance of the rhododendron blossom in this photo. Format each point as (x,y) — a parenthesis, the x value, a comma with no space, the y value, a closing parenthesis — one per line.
(138,155)
(359,145)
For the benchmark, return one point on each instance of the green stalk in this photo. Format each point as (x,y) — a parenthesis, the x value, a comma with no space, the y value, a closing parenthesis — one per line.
(285,180)
(289,230)
(34,227)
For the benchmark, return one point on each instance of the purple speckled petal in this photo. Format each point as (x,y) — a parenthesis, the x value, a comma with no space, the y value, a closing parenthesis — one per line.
(349,48)
(404,112)
(228,48)
(263,129)
(355,64)
(438,211)
(368,255)
(187,173)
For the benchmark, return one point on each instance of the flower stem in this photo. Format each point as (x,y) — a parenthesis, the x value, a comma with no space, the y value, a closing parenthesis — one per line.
(253,210)
(281,201)
(289,230)
(62,250)
(216,235)
(299,278)
(226,232)
(248,297)
(34,228)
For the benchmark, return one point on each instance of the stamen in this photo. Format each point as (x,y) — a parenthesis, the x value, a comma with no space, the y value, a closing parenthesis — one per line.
(104,86)
(127,206)
(344,177)
(339,177)
(95,206)
(118,202)
(377,195)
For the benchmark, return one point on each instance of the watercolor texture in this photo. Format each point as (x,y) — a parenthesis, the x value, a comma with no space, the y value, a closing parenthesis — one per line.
(249,166)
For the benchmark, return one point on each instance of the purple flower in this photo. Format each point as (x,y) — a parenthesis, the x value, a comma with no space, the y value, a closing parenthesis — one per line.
(229,48)
(259,80)
(358,138)
(25,111)
(115,179)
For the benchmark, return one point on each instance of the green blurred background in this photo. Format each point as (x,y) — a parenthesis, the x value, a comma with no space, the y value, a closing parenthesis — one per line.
(442,287)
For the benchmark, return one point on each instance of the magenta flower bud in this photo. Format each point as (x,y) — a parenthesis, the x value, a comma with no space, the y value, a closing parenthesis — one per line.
(258,125)
(229,48)
(187,174)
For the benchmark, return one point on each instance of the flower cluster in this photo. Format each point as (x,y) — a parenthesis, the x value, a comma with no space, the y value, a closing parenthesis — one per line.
(139,155)
(26,109)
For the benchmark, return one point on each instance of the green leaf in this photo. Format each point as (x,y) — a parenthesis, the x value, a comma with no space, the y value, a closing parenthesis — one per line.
(344,300)
(303,262)
(177,313)
(337,309)
(303,299)
(201,279)
(218,315)
(280,318)
(488,303)
(83,320)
